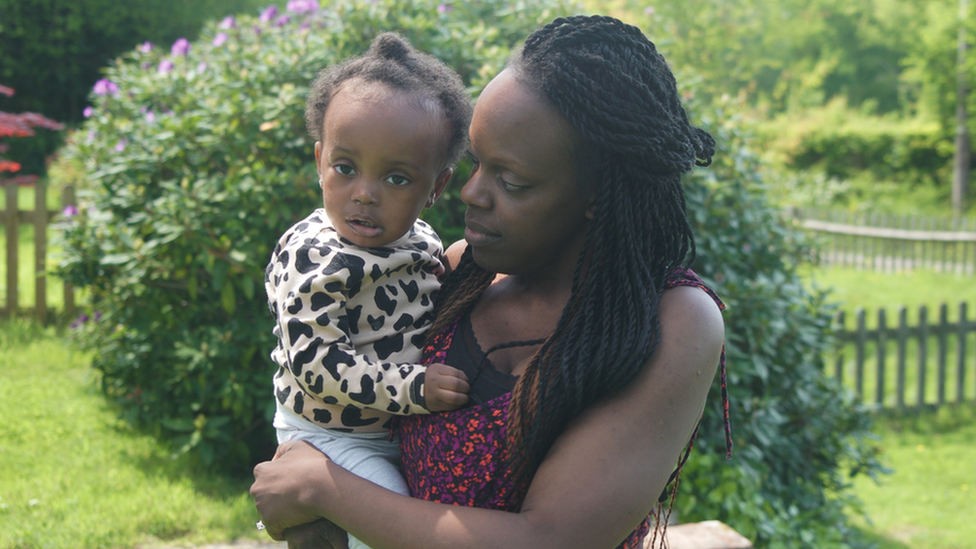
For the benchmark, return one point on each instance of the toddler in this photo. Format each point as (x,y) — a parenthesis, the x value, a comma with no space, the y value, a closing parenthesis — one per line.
(351,285)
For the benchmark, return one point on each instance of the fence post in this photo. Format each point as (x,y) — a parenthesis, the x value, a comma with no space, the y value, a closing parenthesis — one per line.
(902,346)
(13,221)
(40,251)
(839,357)
(879,390)
(943,332)
(68,199)
(859,354)
(923,336)
(961,333)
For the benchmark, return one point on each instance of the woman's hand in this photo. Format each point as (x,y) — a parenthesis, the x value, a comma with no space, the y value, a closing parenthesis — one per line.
(282,488)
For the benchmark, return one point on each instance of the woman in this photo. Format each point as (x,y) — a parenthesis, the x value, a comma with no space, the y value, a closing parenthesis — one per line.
(599,348)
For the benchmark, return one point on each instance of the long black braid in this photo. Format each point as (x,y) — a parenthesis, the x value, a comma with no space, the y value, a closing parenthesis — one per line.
(610,82)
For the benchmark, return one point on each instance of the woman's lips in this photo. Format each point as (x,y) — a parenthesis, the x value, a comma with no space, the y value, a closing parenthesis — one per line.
(477,235)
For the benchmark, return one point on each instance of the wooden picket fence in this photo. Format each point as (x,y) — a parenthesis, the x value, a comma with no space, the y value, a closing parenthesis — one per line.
(12,218)
(893,366)
(892,243)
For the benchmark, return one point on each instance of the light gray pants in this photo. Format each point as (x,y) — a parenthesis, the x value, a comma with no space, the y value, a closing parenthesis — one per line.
(372,456)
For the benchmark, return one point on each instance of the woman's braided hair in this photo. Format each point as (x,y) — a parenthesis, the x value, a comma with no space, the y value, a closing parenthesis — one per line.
(610,82)
(392,61)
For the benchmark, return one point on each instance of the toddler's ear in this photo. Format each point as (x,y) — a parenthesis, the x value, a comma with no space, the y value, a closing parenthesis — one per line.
(440,184)
(318,157)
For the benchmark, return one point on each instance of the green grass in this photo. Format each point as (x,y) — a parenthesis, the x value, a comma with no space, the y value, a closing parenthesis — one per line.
(927,502)
(871,290)
(73,476)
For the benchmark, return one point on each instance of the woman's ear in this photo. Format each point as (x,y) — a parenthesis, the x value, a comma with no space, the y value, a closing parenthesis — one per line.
(318,155)
(440,184)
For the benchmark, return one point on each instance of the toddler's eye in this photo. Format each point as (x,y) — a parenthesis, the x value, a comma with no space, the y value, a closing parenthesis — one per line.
(398,180)
(344,169)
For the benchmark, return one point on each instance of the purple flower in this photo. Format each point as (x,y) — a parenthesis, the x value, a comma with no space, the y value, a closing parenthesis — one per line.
(88,111)
(69,211)
(305,25)
(105,87)
(256,29)
(220,39)
(302,6)
(97,316)
(120,145)
(201,66)
(282,21)
(268,14)
(228,22)
(147,47)
(80,320)
(181,47)
(165,66)
(445,8)
(146,65)
(150,117)
(91,136)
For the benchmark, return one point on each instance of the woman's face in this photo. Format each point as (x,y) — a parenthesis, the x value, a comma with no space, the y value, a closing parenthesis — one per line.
(527,209)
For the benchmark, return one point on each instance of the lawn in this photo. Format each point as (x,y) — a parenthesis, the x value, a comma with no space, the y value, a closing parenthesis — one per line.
(927,501)
(73,476)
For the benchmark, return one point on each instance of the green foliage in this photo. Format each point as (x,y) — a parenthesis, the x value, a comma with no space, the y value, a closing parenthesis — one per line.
(798,435)
(52,51)
(193,175)
(781,55)
(843,143)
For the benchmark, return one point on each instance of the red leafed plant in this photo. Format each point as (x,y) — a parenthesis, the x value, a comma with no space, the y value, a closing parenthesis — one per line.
(19,125)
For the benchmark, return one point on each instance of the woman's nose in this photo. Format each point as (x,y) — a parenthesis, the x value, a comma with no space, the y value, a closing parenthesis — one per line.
(473,193)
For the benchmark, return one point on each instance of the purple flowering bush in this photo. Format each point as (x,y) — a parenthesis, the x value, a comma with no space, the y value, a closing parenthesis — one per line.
(196,159)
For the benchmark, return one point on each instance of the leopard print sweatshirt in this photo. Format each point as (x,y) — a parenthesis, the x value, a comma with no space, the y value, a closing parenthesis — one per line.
(351,323)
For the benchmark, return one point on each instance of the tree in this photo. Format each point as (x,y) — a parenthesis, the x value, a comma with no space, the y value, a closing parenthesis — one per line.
(19,125)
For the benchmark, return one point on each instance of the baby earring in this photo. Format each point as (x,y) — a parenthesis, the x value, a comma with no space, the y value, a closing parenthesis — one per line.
(430,200)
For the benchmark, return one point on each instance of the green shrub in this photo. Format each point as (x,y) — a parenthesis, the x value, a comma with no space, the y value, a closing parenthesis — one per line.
(52,52)
(844,143)
(798,435)
(195,166)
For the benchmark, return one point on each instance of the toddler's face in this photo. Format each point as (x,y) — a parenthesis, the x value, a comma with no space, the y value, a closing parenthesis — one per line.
(381,160)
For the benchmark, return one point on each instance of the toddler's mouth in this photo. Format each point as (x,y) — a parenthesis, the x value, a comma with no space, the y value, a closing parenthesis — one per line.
(364,223)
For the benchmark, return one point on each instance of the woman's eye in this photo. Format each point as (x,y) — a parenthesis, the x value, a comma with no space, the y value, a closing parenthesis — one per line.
(475,164)
(398,180)
(511,186)
(344,169)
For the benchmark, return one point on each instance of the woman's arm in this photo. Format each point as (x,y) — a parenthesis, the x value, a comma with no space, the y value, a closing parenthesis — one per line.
(598,482)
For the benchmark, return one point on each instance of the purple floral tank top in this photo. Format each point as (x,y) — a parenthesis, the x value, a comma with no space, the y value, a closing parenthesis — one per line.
(461,458)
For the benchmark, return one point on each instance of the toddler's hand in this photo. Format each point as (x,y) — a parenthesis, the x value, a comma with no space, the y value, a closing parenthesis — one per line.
(445,388)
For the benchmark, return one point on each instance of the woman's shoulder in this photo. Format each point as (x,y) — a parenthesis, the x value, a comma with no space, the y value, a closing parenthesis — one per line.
(454,252)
